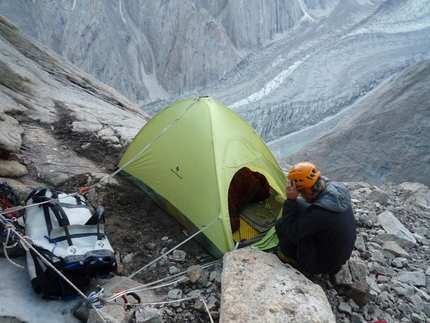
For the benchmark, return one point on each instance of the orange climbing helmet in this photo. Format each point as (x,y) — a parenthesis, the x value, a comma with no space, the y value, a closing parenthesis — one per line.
(305,174)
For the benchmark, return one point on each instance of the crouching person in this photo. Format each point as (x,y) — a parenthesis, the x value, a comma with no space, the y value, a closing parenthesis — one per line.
(316,235)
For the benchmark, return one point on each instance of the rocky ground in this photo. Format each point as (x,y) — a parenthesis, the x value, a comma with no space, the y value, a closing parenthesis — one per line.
(398,275)
(393,256)
(397,267)
(140,232)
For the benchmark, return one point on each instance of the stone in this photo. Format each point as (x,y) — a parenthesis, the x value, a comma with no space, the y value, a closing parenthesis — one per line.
(359,292)
(359,243)
(395,249)
(395,230)
(343,277)
(274,291)
(419,198)
(11,168)
(197,275)
(11,132)
(148,315)
(379,196)
(179,255)
(358,270)
(412,278)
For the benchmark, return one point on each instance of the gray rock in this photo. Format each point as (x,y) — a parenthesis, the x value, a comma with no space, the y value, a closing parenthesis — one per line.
(11,168)
(412,278)
(343,277)
(197,275)
(399,262)
(179,255)
(377,256)
(359,244)
(11,131)
(358,270)
(415,318)
(379,196)
(395,230)
(420,199)
(359,292)
(148,314)
(395,249)
(173,270)
(344,308)
(272,283)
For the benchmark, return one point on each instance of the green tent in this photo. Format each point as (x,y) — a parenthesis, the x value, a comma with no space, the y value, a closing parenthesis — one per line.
(185,157)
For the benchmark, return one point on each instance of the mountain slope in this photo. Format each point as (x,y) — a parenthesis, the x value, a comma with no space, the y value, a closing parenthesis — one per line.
(284,66)
(39,88)
(151,50)
(385,140)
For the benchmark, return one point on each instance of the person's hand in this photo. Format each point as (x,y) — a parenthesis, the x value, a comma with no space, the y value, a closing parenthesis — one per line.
(291,190)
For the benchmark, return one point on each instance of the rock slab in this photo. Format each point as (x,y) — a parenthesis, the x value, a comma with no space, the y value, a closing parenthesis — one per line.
(269,291)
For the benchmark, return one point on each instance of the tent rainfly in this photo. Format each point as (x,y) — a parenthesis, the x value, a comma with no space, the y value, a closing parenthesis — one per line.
(185,157)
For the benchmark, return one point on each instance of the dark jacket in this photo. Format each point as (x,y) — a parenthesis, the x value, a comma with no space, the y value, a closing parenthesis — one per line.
(323,231)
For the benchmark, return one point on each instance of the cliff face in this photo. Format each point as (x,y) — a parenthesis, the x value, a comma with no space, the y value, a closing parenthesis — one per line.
(282,65)
(41,90)
(385,140)
(149,50)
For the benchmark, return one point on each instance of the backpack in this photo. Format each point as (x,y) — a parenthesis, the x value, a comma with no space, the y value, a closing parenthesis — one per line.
(68,232)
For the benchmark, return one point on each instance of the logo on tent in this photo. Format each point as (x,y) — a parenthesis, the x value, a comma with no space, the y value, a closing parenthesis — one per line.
(176,172)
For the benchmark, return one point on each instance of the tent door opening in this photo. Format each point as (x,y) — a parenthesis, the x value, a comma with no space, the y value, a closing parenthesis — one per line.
(252,206)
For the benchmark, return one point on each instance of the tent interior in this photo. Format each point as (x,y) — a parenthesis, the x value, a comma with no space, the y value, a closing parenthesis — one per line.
(253,206)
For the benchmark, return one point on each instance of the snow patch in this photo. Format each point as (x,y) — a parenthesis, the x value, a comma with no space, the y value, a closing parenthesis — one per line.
(121,13)
(306,16)
(270,86)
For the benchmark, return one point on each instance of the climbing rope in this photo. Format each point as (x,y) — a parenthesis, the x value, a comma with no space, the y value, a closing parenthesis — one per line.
(97,301)
(165,254)
(27,243)
(5,247)
(151,142)
(144,287)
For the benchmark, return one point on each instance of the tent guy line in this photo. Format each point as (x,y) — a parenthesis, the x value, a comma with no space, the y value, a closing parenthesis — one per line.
(150,143)
(163,255)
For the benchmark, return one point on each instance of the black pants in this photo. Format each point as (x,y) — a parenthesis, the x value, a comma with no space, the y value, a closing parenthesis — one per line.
(288,247)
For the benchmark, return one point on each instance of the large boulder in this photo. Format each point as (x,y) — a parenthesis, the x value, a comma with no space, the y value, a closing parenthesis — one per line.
(257,287)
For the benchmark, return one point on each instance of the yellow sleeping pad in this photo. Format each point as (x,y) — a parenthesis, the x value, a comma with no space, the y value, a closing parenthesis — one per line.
(245,232)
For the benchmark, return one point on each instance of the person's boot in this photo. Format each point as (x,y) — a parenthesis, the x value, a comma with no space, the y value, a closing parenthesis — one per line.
(285,259)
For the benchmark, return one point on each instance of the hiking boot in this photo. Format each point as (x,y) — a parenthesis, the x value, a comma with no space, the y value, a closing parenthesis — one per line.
(285,259)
